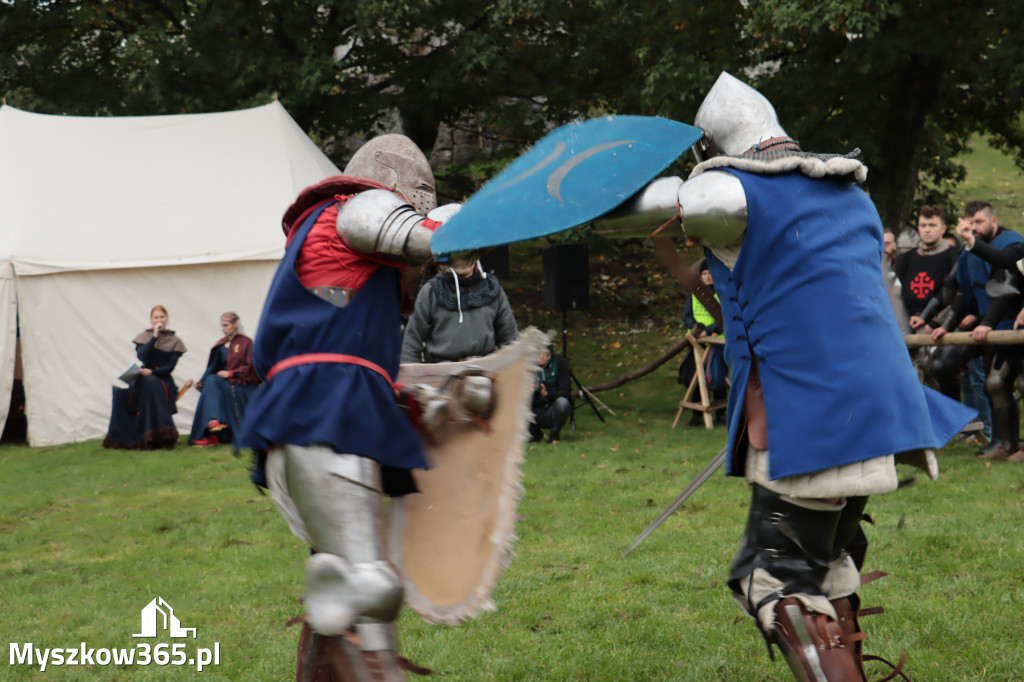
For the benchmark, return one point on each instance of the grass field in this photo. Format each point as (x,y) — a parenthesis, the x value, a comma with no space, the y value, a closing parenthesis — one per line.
(89,537)
(992,177)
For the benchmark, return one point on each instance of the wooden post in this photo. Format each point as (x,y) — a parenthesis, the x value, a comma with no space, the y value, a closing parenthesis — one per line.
(1004,337)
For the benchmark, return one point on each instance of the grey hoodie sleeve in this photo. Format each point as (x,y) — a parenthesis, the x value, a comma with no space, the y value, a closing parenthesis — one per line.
(505,328)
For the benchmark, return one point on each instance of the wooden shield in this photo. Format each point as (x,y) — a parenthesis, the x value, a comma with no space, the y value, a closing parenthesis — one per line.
(452,540)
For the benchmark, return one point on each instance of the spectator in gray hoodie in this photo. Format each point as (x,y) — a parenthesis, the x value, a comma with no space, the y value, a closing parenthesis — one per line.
(460,313)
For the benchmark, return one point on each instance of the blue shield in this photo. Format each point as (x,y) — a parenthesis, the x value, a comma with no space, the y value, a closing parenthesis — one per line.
(574,174)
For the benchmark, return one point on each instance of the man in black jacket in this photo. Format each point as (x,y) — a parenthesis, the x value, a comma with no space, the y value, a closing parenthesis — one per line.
(988,300)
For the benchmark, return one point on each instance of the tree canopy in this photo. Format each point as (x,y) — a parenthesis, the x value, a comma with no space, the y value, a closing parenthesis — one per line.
(908,82)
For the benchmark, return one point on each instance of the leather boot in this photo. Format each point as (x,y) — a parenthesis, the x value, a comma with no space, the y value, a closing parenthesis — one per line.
(792,543)
(815,646)
(340,659)
(996,450)
(849,611)
(314,664)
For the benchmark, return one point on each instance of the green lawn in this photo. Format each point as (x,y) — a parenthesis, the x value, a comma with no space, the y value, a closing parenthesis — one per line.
(992,177)
(89,537)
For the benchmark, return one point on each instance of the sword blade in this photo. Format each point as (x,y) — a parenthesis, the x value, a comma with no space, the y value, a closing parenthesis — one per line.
(703,476)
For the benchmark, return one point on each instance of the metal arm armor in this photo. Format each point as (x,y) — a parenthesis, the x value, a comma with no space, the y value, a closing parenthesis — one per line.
(642,213)
(931,308)
(713,207)
(379,222)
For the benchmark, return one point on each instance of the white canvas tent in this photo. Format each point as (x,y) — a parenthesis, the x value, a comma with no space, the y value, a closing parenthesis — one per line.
(103,218)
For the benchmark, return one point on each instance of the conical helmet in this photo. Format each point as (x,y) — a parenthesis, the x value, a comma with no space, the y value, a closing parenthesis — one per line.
(396,162)
(734,117)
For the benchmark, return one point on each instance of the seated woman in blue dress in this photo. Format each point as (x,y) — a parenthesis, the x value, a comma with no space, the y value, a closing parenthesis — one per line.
(142,415)
(226,386)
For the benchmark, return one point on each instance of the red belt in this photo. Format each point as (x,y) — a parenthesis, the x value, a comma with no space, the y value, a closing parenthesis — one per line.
(311,358)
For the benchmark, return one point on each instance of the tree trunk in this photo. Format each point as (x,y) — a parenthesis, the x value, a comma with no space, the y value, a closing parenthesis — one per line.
(893,178)
(646,369)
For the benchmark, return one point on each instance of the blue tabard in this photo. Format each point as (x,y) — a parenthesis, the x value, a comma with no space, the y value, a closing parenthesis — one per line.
(807,298)
(972,273)
(347,406)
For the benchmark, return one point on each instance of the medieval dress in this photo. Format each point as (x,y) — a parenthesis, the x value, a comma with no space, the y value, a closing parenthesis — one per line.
(226,400)
(142,415)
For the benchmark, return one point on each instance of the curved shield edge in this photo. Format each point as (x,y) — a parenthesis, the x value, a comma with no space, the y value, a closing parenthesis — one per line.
(573,175)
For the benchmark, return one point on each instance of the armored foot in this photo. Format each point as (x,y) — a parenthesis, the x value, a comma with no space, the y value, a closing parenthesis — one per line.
(815,646)
(338,593)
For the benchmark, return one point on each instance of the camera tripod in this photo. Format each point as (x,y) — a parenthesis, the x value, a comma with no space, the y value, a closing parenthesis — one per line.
(583,393)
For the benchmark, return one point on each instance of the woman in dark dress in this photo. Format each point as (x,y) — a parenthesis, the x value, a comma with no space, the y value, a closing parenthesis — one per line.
(141,416)
(226,386)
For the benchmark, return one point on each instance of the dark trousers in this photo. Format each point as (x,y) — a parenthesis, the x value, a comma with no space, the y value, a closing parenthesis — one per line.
(551,417)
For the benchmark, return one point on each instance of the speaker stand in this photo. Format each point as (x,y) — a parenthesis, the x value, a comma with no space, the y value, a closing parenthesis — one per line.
(583,394)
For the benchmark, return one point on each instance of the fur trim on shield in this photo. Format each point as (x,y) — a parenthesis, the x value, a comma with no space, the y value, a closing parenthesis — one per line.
(518,361)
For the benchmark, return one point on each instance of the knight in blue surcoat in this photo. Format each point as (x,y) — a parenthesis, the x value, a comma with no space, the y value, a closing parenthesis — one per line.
(825,401)
(335,439)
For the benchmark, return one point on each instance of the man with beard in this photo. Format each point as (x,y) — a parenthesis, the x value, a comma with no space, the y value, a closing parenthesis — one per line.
(989,299)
